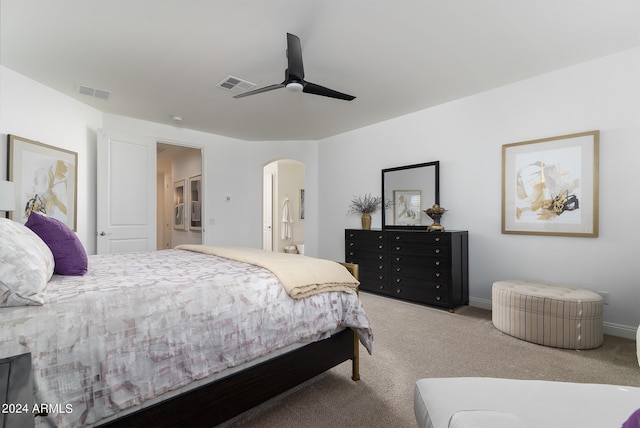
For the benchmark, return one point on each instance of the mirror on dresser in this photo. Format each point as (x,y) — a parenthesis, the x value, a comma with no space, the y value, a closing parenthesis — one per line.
(412,189)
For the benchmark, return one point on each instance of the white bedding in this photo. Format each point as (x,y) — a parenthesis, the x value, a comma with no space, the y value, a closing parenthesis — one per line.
(143,324)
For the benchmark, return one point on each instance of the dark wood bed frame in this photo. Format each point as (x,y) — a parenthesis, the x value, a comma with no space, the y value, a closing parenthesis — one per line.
(221,400)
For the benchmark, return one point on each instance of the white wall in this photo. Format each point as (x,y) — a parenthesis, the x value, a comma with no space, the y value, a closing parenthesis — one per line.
(224,171)
(234,168)
(466,136)
(36,112)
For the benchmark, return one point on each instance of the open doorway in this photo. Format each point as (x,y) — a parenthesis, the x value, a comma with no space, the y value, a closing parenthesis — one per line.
(180,194)
(283,206)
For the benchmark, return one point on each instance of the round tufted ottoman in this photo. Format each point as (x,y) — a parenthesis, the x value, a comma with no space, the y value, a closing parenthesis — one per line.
(548,314)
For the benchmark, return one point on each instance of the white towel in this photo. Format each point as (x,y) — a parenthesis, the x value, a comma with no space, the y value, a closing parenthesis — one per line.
(287,221)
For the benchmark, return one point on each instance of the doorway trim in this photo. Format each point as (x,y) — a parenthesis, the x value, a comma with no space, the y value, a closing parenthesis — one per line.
(165,211)
(288,179)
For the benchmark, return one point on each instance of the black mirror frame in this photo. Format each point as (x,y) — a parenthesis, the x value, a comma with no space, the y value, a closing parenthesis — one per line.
(435,164)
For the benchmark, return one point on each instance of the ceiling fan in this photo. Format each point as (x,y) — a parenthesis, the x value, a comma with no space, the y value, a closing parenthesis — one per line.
(294,76)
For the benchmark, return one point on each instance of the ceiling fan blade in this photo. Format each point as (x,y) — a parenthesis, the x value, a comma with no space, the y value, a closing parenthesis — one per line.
(294,58)
(312,88)
(260,90)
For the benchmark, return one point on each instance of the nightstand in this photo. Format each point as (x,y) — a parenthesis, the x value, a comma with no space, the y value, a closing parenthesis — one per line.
(16,391)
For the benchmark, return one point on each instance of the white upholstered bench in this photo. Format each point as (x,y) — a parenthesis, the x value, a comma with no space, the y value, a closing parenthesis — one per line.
(548,314)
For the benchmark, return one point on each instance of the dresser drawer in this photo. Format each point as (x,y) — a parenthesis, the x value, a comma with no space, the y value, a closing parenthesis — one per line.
(377,282)
(363,235)
(427,238)
(420,292)
(426,285)
(420,272)
(373,268)
(353,255)
(419,248)
(431,262)
(353,244)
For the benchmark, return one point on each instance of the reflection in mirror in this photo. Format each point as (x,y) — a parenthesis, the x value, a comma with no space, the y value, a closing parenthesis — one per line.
(412,189)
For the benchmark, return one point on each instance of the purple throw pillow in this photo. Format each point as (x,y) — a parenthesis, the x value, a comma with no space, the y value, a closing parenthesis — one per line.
(69,254)
(633,421)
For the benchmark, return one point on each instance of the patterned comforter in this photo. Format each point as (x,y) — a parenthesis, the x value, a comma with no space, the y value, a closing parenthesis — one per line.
(143,324)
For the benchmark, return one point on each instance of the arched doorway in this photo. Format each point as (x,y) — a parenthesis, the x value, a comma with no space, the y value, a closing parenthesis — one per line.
(283,189)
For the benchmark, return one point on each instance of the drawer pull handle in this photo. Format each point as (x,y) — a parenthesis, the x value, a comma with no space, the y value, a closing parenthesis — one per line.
(398,280)
(381,287)
(398,237)
(351,253)
(398,259)
(381,267)
(398,269)
(437,250)
(380,247)
(398,248)
(380,257)
(380,236)
(437,262)
(398,290)
(438,298)
(437,274)
(437,239)
(381,277)
(351,244)
(438,286)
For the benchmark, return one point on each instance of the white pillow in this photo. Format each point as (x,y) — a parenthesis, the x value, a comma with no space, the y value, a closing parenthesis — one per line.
(26,265)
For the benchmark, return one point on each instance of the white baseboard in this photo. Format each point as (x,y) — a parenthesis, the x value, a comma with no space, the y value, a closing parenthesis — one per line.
(613,329)
(610,328)
(480,303)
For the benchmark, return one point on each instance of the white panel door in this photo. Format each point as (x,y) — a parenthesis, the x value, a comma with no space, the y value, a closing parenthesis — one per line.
(126,200)
(267,212)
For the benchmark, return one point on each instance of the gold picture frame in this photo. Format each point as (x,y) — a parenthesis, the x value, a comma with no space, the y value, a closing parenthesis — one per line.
(550,186)
(46,180)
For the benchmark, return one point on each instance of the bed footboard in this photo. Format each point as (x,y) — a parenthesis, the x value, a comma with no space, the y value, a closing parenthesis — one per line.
(226,398)
(355,369)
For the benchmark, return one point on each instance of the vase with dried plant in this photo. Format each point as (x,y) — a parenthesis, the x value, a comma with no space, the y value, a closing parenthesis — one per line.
(365,206)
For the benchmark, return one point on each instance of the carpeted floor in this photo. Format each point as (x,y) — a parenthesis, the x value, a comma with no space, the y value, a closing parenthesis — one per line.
(414,341)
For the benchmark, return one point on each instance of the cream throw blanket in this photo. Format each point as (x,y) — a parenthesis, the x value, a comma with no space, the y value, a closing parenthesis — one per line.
(301,276)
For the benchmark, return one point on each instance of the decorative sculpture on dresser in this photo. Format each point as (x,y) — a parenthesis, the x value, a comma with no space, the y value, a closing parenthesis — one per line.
(435,212)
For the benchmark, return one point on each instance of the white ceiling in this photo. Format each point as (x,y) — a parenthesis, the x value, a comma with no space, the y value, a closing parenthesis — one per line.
(165,57)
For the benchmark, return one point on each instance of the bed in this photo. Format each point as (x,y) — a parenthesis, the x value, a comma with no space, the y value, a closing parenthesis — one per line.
(190,336)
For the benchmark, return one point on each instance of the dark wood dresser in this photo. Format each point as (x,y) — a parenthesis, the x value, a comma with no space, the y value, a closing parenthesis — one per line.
(415,265)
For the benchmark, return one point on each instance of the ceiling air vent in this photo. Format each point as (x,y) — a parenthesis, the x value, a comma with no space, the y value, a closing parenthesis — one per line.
(236,85)
(93,92)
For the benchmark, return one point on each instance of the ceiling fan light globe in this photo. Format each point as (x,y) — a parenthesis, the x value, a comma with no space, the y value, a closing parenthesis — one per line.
(294,86)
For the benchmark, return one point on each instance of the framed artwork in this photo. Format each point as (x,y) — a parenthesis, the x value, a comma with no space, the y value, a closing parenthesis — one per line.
(195,201)
(179,193)
(46,180)
(550,186)
(407,207)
